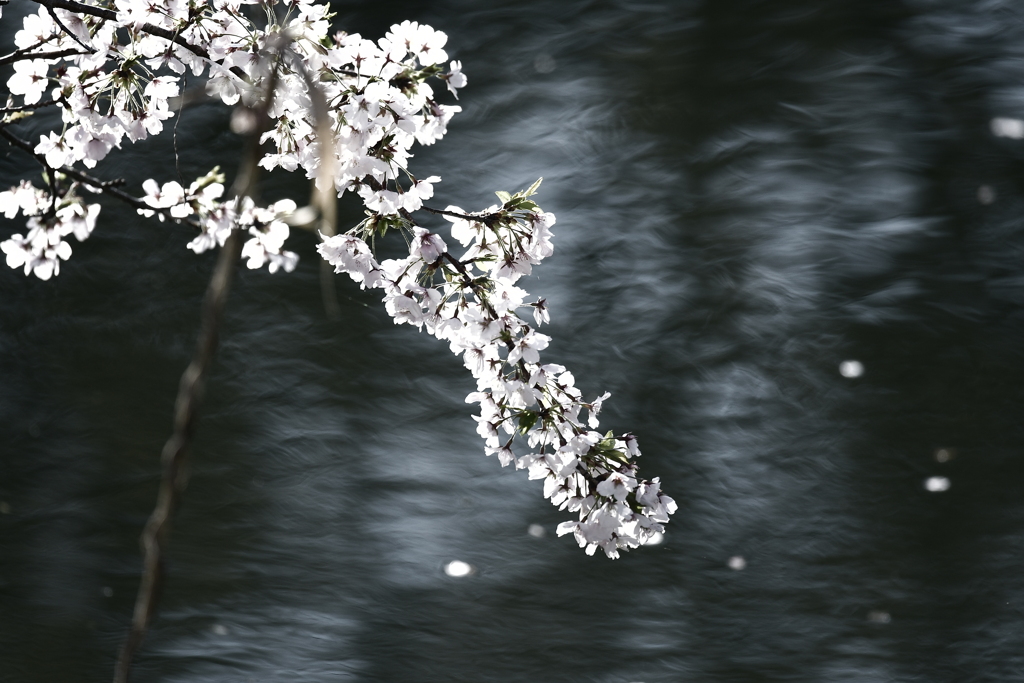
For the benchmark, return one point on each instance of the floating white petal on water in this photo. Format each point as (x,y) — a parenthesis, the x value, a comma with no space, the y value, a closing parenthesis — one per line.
(656,539)
(851,368)
(879,617)
(536,530)
(1007,128)
(737,563)
(936,484)
(458,568)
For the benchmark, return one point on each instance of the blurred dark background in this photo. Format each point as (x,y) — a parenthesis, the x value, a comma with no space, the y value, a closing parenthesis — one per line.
(749,193)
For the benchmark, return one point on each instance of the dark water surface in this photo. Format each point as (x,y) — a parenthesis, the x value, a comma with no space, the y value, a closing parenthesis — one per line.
(748,193)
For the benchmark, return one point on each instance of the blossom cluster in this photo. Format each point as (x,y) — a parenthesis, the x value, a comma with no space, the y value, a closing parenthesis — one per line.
(111,86)
(52,216)
(347,111)
(216,219)
(473,303)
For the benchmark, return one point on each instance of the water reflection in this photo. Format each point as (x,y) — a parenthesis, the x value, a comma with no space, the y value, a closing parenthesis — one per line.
(752,198)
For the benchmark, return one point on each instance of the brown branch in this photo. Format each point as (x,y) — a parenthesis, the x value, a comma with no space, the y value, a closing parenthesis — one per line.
(108,187)
(70,34)
(464,216)
(22,55)
(72,6)
(15,56)
(190,392)
(38,43)
(468,283)
(27,107)
(459,266)
(439,212)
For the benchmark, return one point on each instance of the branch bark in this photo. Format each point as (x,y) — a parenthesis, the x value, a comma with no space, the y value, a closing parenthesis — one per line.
(22,55)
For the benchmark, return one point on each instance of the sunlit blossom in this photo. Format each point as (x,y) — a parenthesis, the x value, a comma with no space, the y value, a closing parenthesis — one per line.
(380,104)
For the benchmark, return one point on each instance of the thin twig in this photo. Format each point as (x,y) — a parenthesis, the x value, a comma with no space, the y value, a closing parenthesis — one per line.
(27,107)
(34,45)
(463,216)
(467,279)
(79,7)
(468,283)
(174,133)
(108,187)
(70,34)
(22,55)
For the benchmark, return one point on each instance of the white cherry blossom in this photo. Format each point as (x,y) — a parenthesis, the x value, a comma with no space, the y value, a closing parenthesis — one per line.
(455,79)
(29,80)
(110,88)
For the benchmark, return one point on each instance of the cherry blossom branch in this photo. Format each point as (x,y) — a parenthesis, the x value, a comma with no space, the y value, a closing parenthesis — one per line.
(441,212)
(33,46)
(108,187)
(459,265)
(172,36)
(27,107)
(485,218)
(20,55)
(79,7)
(68,32)
(467,279)
(375,97)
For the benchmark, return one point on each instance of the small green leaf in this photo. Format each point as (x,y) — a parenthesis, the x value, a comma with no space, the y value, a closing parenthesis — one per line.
(620,456)
(526,421)
(503,196)
(533,188)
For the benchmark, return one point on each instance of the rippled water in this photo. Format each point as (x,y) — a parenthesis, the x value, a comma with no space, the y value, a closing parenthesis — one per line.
(749,194)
